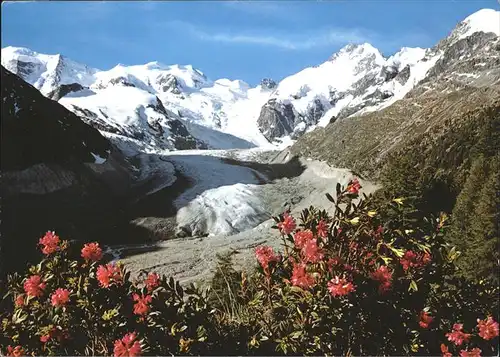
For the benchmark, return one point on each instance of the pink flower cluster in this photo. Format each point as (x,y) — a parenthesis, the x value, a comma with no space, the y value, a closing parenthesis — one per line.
(413,260)
(353,187)
(384,276)
(457,336)
(340,287)
(265,255)
(128,346)
(50,243)
(109,274)
(288,224)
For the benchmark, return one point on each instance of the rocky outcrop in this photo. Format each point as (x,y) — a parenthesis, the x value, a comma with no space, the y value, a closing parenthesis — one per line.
(367,140)
(182,139)
(63,90)
(169,83)
(403,76)
(388,73)
(276,120)
(268,83)
(335,96)
(25,69)
(315,111)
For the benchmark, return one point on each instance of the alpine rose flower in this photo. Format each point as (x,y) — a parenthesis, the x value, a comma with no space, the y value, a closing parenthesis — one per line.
(340,287)
(127,346)
(301,237)
(311,252)
(17,351)
(34,286)
(475,352)
(288,225)
(108,274)
(152,281)
(444,351)
(353,186)
(265,255)
(60,297)
(301,278)
(322,229)
(457,336)
(92,251)
(425,319)
(50,243)
(411,259)
(384,276)
(19,300)
(141,307)
(488,328)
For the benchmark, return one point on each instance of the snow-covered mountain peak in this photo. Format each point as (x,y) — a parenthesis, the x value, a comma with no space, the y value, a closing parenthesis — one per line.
(406,56)
(11,51)
(357,51)
(190,77)
(484,20)
(155,65)
(340,72)
(237,84)
(46,72)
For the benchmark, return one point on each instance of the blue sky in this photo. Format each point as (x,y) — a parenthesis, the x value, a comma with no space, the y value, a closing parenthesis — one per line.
(246,40)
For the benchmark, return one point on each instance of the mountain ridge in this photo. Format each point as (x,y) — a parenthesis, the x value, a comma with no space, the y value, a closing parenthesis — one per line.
(355,80)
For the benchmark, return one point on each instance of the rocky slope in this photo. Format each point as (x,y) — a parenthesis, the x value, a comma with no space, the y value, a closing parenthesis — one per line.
(42,131)
(222,114)
(56,171)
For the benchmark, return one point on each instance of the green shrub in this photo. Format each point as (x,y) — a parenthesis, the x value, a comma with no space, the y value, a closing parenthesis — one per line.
(102,305)
(360,285)
(457,171)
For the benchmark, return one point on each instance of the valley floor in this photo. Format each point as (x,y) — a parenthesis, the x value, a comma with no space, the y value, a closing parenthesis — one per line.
(223,201)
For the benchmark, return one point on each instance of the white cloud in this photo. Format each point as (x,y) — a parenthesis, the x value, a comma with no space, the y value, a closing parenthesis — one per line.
(290,41)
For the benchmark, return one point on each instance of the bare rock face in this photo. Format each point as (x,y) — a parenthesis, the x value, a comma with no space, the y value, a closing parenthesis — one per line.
(388,73)
(315,111)
(276,120)
(63,90)
(170,84)
(268,83)
(403,76)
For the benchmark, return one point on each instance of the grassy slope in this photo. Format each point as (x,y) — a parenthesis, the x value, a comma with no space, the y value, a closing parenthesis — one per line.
(363,143)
